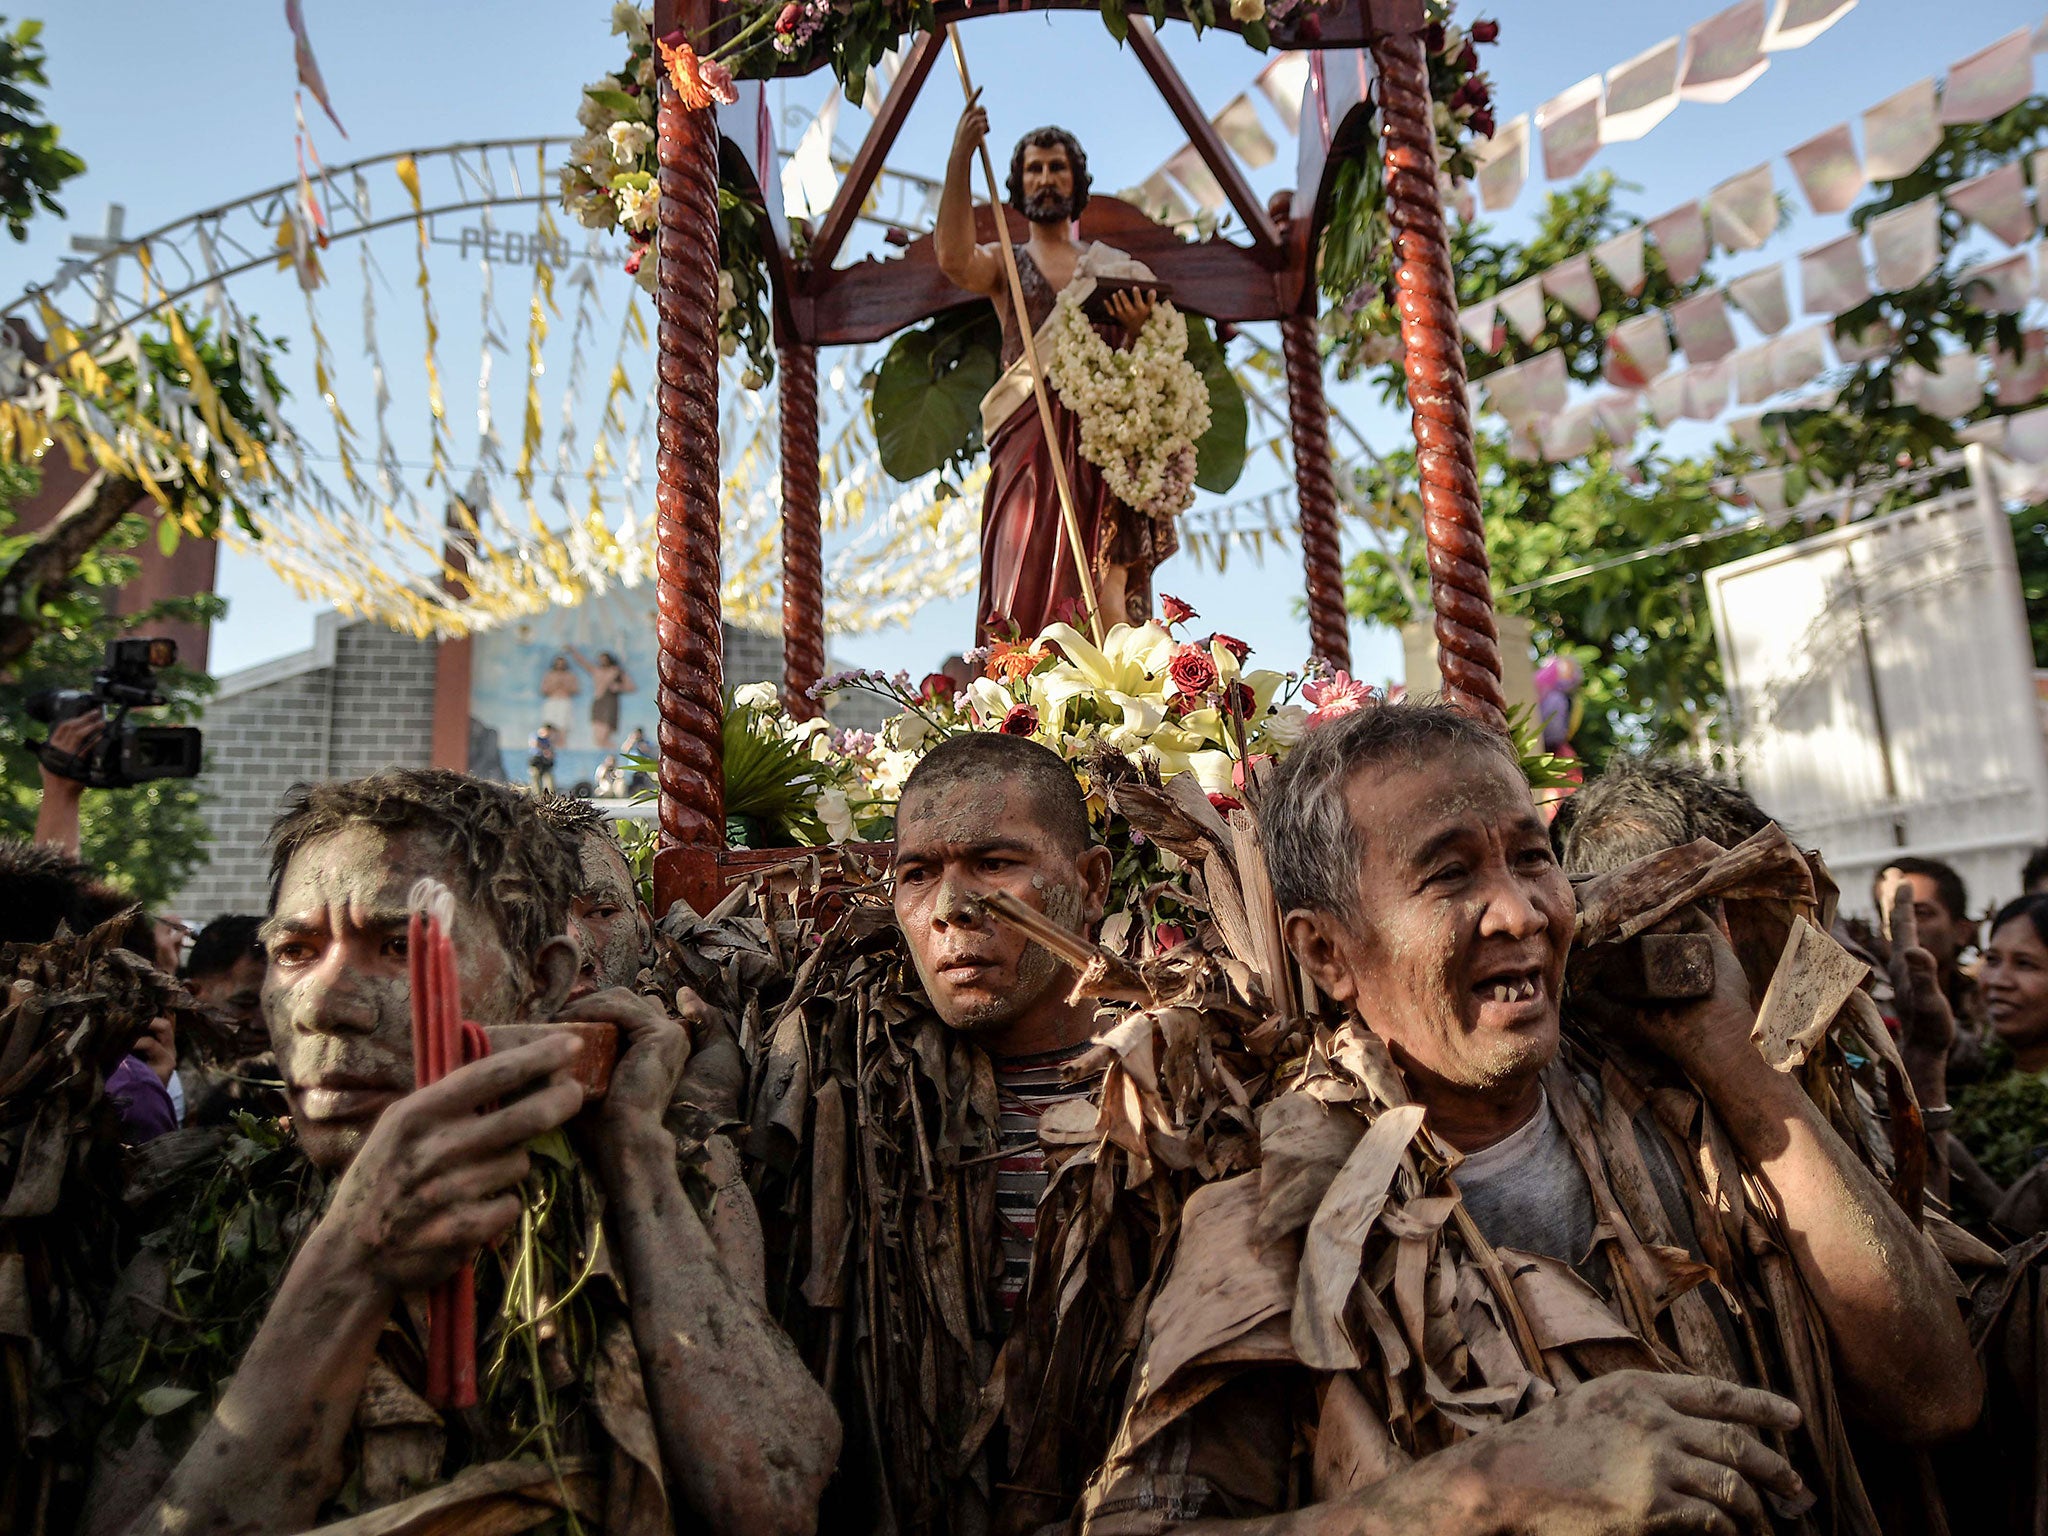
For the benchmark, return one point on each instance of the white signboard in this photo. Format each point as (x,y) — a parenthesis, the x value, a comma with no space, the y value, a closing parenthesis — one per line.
(1882,696)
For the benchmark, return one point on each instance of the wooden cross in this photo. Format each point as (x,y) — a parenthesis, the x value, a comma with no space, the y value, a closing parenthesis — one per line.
(108,245)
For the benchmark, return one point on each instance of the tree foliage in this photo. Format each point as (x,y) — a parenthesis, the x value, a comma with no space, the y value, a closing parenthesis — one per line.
(148,839)
(32,164)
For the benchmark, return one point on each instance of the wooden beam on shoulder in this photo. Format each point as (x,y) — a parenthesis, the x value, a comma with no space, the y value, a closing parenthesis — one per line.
(1203,136)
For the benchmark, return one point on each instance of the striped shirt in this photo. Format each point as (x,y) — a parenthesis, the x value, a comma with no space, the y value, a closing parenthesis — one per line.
(1026,1087)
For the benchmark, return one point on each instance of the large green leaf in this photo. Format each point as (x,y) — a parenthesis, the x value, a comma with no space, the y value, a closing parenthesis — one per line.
(1219,452)
(926,403)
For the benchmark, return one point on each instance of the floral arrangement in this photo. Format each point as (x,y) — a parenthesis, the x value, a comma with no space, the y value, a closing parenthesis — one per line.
(612,182)
(1356,261)
(1140,408)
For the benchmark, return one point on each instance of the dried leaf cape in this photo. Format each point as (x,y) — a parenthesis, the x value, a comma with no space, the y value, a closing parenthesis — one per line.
(166,1258)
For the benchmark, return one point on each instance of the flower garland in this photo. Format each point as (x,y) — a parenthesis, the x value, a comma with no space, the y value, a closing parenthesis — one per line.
(612,182)
(1140,409)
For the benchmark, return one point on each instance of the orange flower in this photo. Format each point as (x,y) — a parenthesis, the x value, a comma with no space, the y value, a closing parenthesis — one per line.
(698,81)
(1013,661)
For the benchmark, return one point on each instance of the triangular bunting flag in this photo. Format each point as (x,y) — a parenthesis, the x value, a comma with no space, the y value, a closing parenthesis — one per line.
(1744,209)
(1999,287)
(1570,125)
(1189,169)
(1523,307)
(1899,132)
(1702,326)
(1831,276)
(1954,391)
(1797,359)
(1725,53)
(1681,238)
(1504,164)
(1641,93)
(1238,126)
(1795,23)
(2026,436)
(1282,83)
(1827,170)
(1476,321)
(1991,81)
(1665,399)
(1706,390)
(1571,284)
(1623,258)
(1996,201)
(1766,491)
(2022,380)
(1874,341)
(1568,434)
(1748,431)
(1907,245)
(1761,296)
(1157,198)
(1618,413)
(1637,351)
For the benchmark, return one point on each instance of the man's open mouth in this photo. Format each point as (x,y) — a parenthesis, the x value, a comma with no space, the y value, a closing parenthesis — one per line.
(1516,986)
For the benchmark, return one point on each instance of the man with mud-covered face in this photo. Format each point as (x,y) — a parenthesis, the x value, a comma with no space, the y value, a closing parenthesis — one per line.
(427,1177)
(988,813)
(1420,892)
(981,814)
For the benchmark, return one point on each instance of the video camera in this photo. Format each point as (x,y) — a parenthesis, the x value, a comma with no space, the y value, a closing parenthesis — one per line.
(125,754)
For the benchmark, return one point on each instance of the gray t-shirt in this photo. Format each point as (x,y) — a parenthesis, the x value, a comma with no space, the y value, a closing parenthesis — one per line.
(1527,1190)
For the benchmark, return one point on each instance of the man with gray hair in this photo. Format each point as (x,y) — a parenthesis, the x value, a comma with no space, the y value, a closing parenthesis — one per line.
(1421,895)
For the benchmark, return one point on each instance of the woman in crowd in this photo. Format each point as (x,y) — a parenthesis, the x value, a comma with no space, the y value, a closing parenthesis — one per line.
(2003,1121)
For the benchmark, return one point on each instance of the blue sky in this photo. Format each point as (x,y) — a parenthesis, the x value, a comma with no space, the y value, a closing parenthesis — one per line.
(177,108)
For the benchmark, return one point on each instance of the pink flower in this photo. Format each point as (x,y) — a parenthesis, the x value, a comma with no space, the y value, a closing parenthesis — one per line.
(786,22)
(1193,670)
(1238,771)
(1338,697)
(718,81)
(1173,611)
(1232,644)
(1168,936)
(937,686)
(1022,720)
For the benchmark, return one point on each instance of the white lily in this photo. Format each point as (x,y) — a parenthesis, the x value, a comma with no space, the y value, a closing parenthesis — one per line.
(1132,658)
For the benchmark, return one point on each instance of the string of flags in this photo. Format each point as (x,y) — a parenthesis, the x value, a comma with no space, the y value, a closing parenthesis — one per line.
(1714,61)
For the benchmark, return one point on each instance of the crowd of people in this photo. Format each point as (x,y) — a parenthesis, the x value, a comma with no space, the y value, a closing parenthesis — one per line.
(1446,1168)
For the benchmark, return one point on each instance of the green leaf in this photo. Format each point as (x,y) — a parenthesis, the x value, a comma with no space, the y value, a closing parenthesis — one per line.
(1114,18)
(158,1401)
(167,531)
(615,101)
(1219,452)
(926,403)
(554,1146)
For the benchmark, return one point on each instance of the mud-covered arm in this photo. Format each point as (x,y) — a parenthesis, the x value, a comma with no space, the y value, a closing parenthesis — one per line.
(748,1438)
(1885,1294)
(428,1189)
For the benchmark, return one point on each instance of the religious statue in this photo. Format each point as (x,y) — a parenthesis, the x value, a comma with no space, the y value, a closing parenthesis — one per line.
(1029,574)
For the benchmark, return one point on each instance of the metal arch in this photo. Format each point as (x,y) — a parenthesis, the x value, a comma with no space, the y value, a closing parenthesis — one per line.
(195,252)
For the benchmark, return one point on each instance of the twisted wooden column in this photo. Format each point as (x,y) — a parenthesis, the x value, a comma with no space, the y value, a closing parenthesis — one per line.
(690,662)
(1315,482)
(803,555)
(1460,588)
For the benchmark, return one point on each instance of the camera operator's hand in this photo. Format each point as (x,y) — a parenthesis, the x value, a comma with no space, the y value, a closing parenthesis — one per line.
(69,743)
(158,1048)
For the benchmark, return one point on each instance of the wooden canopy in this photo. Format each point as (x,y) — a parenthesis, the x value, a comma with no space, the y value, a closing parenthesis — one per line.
(1368,85)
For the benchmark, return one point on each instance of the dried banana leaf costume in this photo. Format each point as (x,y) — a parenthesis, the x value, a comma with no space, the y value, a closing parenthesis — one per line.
(1335,1313)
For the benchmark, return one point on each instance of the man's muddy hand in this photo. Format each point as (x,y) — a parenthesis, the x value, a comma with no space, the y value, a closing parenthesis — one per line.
(1636,1452)
(433,1183)
(654,1048)
(1704,1035)
(1927,1024)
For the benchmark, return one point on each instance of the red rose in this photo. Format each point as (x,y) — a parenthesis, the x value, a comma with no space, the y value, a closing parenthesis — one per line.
(1485,31)
(1232,644)
(1173,611)
(1469,59)
(1433,37)
(791,14)
(633,261)
(1482,122)
(1225,803)
(1022,720)
(1168,936)
(1312,27)
(937,686)
(1243,701)
(1192,669)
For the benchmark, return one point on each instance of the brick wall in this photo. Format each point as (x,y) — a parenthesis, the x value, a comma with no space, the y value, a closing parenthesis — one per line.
(362,699)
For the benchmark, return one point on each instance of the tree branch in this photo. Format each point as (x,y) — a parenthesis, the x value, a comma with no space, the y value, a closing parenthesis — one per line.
(87,518)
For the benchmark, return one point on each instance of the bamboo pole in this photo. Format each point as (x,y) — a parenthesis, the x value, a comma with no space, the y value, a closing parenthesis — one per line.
(1025,334)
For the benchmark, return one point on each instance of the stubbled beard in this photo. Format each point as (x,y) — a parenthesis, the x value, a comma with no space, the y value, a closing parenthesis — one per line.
(1048,207)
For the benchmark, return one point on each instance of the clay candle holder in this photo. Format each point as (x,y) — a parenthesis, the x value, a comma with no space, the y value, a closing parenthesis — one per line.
(597,1049)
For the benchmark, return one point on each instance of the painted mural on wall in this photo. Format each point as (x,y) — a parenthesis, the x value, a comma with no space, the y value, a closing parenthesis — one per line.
(569,689)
